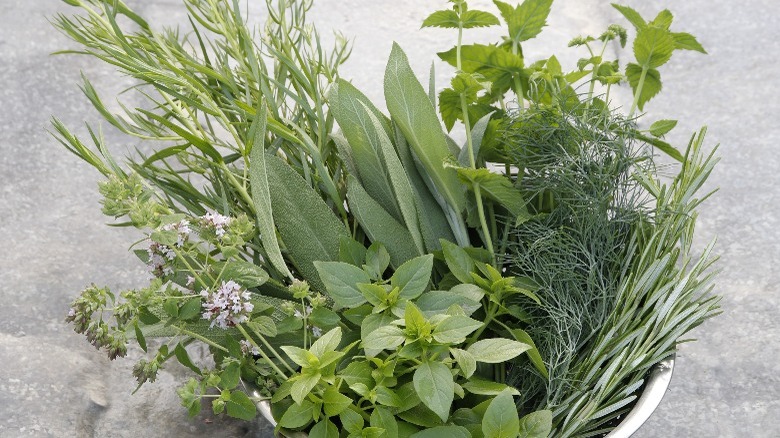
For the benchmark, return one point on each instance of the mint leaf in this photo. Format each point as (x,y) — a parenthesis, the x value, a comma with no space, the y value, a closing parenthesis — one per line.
(631,15)
(324,429)
(466,362)
(487,387)
(435,387)
(383,338)
(446,19)
(498,188)
(526,20)
(663,19)
(501,420)
(241,406)
(297,415)
(653,47)
(472,19)
(652,84)
(443,431)
(334,402)
(454,329)
(686,41)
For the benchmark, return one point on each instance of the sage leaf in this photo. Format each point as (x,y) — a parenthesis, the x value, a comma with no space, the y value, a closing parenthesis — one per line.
(379,225)
(536,425)
(306,224)
(411,109)
(501,419)
(496,350)
(435,387)
(261,195)
(340,280)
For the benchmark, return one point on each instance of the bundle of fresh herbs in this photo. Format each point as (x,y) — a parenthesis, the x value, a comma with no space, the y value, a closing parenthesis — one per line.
(365,274)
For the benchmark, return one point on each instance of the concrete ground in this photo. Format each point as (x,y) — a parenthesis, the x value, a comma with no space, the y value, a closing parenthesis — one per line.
(52,383)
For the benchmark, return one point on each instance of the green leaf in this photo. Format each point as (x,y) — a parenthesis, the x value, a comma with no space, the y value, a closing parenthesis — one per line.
(401,186)
(450,107)
(652,84)
(352,110)
(458,261)
(303,385)
(228,378)
(474,18)
(139,336)
(351,421)
(662,146)
(411,109)
(340,280)
(297,415)
(241,406)
(533,353)
(306,224)
(496,350)
(324,429)
(384,419)
(352,252)
(379,225)
(497,64)
(242,272)
(263,325)
(686,41)
(413,276)
(487,387)
(631,15)
(384,338)
(662,127)
(184,358)
(298,355)
(663,19)
(437,302)
(190,309)
(324,318)
(435,387)
(326,343)
(498,188)
(536,425)
(443,431)
(377,260)
(334,402)
(445,19)
(261,195)
(357,373)
(653,47)
(501,419)
(454,329)
(526,20)
(466,362)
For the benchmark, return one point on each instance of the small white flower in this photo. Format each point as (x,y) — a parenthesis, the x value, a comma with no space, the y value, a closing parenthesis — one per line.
(182,228)
(217,222)
(228,305)
(248,348)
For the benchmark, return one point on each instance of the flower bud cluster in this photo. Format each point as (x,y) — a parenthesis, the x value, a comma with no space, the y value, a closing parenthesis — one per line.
(227,306)
(98,332)
(127,197)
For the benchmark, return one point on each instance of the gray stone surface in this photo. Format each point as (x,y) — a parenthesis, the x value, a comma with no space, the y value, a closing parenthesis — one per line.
(52,383)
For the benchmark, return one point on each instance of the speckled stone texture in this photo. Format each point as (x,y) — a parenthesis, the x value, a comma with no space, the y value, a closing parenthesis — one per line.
(52,383)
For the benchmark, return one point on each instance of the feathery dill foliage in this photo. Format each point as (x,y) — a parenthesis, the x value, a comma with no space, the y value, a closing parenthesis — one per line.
(578,164)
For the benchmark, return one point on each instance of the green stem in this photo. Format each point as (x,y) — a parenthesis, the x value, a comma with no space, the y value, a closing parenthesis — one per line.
(518,85)
(638,91)
(202,339)
(262,353)
(477,190)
